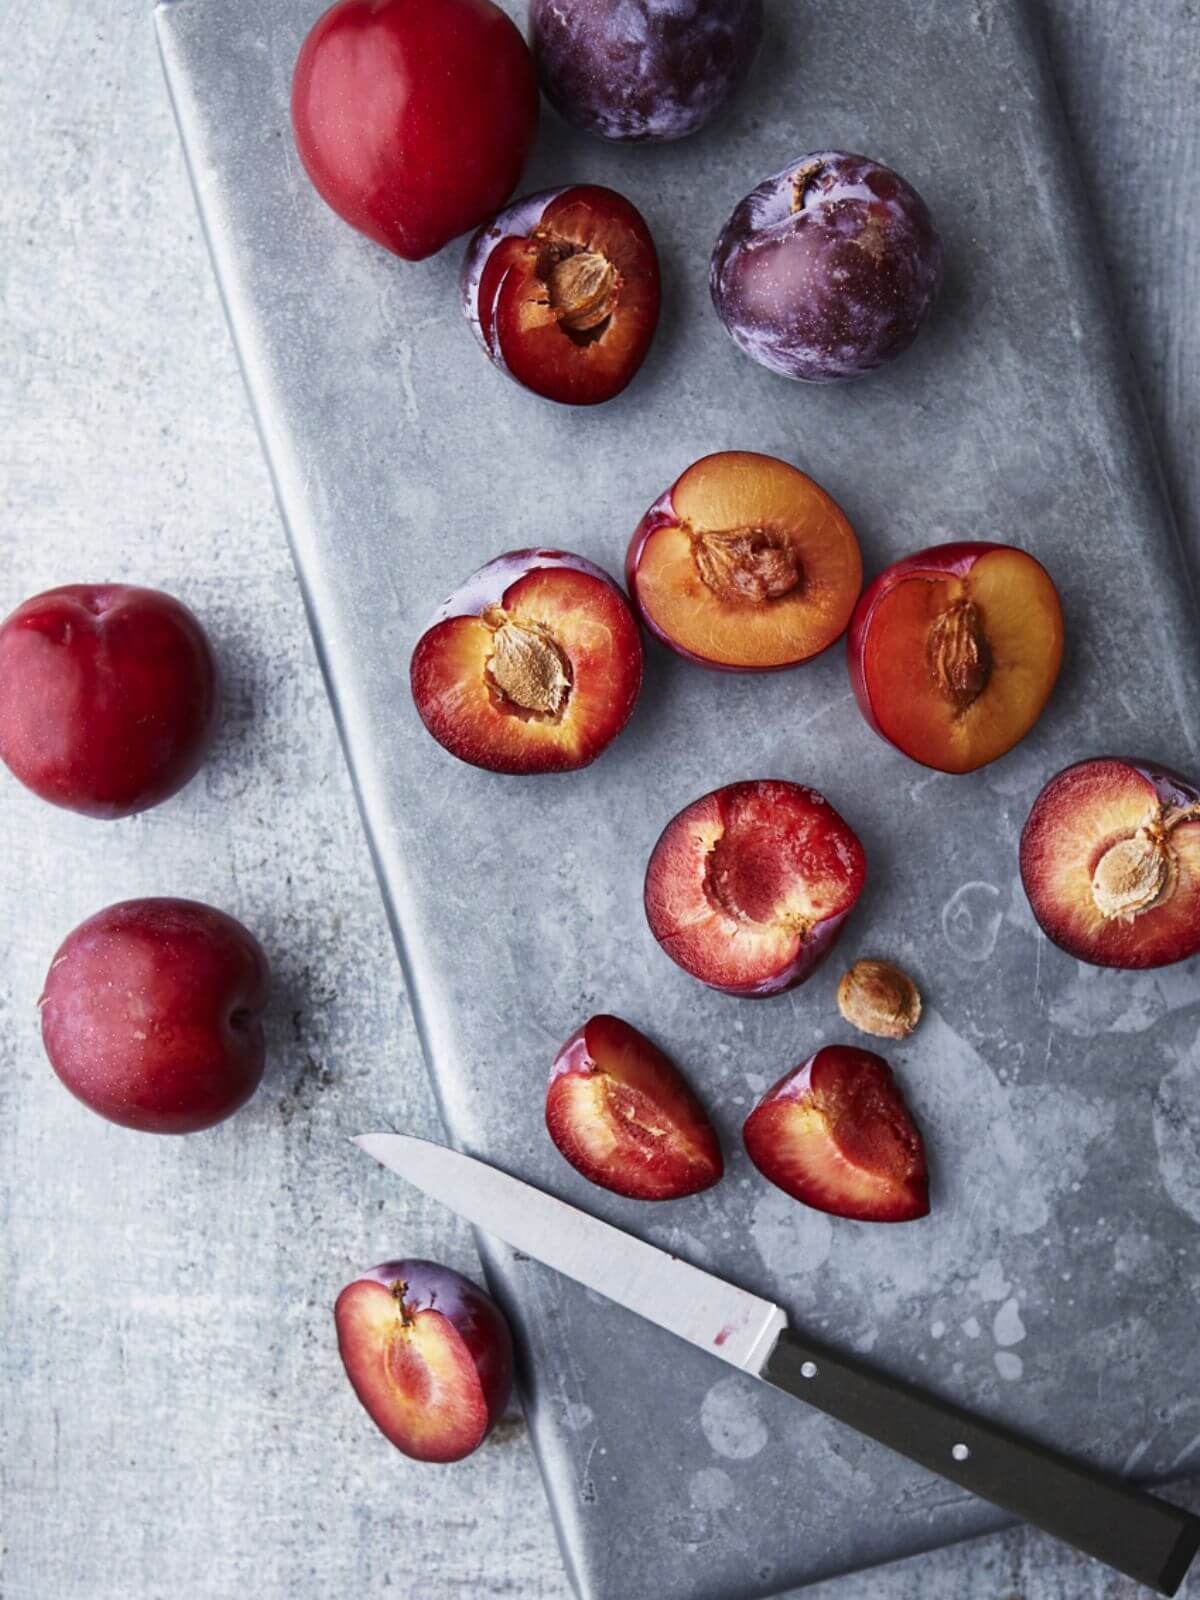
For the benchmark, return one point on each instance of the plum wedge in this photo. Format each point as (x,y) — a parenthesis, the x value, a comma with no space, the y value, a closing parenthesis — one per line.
(954,651)
(429,1355)
(620,1112)
(533,665)
(748,887)
(1110,861)
(836,1134)
(744,564)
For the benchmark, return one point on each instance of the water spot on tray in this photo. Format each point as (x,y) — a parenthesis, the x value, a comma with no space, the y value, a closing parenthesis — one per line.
(1177,1132)
(710,1489)
(971,920)
(1092,1000)
(730,1420)
(792,1240)
(1007,1327)
(1009,1365)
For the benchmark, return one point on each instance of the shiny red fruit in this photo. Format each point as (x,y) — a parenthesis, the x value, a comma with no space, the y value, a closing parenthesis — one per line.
(151,1014)
(562,292)
(429,1355)
(108,697)
(413,118)
(620,1112)
(836,1134)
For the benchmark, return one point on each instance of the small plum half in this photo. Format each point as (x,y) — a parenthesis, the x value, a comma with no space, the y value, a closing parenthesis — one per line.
(1110,861)
(621,1113)
(827,269)
(562,292)
(748,887)
(429,1355)
(836,1134)
(533,665)
(744,564)
(954,651)
(634,70)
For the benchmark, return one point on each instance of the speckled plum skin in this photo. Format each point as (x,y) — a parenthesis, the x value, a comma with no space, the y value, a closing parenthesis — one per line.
(642,70)
(827,269)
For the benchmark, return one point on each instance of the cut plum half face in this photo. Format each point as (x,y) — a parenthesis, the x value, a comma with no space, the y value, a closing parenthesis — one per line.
(429,1355)
(748,887)
(562,292)
(836,1134)
(1110,860)
(621,1113)
(534,665)
(745,564)
(954,652)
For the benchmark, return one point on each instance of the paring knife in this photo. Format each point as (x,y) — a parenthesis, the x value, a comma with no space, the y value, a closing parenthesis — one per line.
(1136,1533)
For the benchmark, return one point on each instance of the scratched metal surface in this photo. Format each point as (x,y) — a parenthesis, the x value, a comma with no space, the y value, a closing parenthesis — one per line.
(172,1416)
(401,463)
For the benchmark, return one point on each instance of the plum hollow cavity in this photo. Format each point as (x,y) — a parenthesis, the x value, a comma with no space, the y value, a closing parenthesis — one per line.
(752,564)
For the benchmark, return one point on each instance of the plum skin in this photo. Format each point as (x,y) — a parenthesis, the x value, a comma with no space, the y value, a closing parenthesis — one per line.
(151,1014)
(639,71)
(837,287)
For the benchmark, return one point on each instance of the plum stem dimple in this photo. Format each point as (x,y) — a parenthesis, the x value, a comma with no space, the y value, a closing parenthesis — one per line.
(959,656)
(751,564)
(526,666)
(1136,873)
(801,179)
(399,1290)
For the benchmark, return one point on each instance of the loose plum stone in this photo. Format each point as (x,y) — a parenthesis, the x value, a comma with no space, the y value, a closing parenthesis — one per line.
(827,269)
(642,69)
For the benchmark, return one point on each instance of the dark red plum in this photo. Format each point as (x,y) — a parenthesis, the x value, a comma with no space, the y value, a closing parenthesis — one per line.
(429,1355)
(828,269)
(635,70)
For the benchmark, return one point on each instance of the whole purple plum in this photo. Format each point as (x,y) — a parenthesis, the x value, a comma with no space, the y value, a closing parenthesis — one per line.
(642,69)
(827,269)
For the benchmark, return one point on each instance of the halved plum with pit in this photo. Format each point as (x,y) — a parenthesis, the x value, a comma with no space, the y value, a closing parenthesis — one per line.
(954,651)
(620,1112)
(744,564)
(748,887)
(835,1134)
(562,292)
(533,665)
(1110,861)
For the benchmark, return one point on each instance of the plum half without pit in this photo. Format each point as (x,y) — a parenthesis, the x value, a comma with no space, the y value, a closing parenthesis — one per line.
(533,665)
(827,269)
(744,564)
(1110,861)
(748,887)
(954,651)
(562,292)
(429,1355)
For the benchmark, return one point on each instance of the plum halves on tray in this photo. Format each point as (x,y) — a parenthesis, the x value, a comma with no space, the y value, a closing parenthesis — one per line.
(562,292)
(1110,861)
(836,1134)
(744,564)
(533,665)
(954,651)
(620,1112)
(748,887)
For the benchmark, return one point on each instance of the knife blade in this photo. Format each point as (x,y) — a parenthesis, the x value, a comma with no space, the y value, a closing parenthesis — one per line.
(1136,1533)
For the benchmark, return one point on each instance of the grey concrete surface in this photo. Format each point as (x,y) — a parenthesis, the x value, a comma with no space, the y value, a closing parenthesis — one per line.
(172,1418)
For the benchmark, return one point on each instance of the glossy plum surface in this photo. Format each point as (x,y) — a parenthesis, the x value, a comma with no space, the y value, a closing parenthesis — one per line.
(428,1353)
(413,118)
(151,1014)
(562,292)
(827,269)
(108,697)
(620,1111)
(642,69)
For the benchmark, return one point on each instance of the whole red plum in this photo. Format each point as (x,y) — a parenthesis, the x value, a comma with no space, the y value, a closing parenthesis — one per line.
(827,269)
(642,69)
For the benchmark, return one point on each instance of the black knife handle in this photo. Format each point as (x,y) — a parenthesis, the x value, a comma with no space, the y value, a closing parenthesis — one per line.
(1138,1534)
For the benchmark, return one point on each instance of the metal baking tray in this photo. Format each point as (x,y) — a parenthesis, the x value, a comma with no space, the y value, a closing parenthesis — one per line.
(1055,1285)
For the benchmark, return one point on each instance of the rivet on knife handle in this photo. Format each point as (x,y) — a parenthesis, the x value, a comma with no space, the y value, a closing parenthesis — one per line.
(1140,1535)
